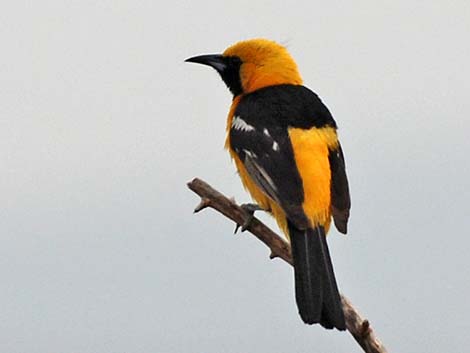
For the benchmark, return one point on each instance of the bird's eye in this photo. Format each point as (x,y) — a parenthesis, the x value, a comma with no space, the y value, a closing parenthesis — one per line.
(235,61)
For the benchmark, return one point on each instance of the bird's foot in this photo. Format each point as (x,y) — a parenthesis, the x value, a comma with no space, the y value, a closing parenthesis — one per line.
(250,209)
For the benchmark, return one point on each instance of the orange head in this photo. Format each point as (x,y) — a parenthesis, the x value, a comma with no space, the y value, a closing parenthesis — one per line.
(252,64)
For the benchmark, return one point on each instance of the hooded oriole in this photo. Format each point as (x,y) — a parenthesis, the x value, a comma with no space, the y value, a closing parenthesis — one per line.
(284,143)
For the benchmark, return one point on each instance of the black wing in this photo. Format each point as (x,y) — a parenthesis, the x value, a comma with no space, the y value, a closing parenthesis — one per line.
(259,136)
(268,157)
(340,199)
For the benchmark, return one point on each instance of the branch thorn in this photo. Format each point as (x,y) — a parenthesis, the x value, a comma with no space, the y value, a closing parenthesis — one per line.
(205,202)
(365,328)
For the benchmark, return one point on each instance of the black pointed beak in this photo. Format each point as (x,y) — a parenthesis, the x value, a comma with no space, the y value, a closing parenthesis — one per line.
(216,61)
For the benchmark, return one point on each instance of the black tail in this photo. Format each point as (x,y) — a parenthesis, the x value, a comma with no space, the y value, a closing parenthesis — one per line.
(316,291)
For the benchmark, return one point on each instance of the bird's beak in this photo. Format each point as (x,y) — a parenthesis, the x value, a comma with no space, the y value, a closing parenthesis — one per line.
(217,61)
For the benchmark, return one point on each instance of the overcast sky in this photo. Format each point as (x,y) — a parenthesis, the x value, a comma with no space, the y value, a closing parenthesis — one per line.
(102,124)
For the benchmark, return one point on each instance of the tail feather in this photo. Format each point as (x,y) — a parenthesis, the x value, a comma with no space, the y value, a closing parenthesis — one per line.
(316,291)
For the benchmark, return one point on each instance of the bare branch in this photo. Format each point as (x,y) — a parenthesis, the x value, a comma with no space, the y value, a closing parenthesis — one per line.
(359,327)
(214,199)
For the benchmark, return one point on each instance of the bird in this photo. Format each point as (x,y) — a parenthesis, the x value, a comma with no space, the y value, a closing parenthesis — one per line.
(284,143)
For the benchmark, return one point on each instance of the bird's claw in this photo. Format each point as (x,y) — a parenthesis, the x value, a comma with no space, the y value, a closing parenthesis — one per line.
(245,224)
(250,209)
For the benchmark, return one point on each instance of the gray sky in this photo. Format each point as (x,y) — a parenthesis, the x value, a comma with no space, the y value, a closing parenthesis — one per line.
(102,124)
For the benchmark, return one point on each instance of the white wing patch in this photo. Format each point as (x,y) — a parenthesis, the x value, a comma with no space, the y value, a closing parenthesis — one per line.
(266,132)
(240,124)
(250,154)
(266,177)
(275,146)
